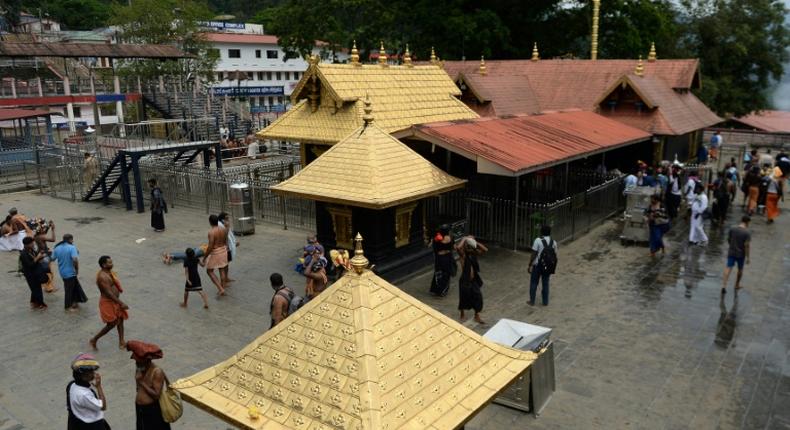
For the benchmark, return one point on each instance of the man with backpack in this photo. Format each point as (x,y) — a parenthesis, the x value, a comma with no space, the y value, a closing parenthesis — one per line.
(284,301)
(542,264)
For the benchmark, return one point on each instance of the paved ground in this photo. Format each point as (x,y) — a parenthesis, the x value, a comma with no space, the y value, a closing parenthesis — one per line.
(641,343)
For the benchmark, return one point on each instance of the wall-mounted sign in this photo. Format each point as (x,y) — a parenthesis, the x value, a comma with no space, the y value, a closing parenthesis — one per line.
(248,91)
(222,25)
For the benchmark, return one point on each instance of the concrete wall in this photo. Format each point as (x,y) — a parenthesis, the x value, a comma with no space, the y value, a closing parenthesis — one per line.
(754,139)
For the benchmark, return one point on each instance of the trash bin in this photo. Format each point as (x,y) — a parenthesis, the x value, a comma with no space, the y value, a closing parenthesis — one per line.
(532,390)
(634,225)
(241,209)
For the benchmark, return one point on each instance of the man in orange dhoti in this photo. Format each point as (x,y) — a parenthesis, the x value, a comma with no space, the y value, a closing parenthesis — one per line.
(112,310)
(775,192)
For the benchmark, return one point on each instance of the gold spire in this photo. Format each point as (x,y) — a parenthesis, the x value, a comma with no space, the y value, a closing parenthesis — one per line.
(651,56)
(483,69)
(640,68)
(535,54)
(382,55)
(407,58)
(368,117)
(594,38)
(355,54)
(359,262)
(433,56)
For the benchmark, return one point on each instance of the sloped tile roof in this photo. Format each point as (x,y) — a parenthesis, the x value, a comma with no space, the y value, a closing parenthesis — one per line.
(361,355)
(774,121)
(676,112)
(526,143)
(9,114)
(676,73)
(507,94)
(403,97)
(369,168)
(567,84)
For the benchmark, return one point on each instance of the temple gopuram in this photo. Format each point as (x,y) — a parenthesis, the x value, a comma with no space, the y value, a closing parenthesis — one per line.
(361,355)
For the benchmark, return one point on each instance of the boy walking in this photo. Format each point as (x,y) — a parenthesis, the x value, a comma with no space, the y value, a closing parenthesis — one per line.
(738,239)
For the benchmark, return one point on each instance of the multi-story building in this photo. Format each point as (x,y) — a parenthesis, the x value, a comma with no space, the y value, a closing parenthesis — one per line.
(252,66)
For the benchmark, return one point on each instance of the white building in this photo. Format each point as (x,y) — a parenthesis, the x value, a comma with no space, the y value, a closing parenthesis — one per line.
(267,81)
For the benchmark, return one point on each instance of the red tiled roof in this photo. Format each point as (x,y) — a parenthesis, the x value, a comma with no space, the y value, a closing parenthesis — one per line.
(774,121)
(675,113)
(9,114)
(526,143)
(523,86)
(241,38)
(676,73)
(508,94)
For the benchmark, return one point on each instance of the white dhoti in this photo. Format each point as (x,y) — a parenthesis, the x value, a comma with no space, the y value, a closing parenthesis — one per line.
(12,242)
(697,233)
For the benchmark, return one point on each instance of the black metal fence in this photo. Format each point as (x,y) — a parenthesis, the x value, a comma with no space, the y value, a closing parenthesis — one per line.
(512,225)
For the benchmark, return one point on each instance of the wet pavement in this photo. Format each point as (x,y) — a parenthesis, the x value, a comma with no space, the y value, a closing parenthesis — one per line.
(640,343)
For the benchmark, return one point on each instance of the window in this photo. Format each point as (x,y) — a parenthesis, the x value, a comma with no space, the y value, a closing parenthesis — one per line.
(296,76)
(249,76)
(287,76)
(271,101)
(257,53)
(271,54)
(268,76)
(278,75)
(260,76)
(234,53)
(220,76)
(279,100)
(77,111)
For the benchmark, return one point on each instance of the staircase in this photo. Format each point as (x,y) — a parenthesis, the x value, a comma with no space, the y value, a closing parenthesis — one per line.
(174,104)
(106,183)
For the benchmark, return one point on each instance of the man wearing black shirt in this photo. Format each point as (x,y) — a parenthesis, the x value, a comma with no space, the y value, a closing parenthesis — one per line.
(30,259)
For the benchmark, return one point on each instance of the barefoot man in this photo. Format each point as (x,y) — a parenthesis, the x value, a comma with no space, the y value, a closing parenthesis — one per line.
(151,380)
(217,254)
(111,309)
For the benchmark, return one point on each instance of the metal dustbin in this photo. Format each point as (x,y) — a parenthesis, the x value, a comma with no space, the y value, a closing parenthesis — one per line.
(634,225)
(532,391)
(241,209)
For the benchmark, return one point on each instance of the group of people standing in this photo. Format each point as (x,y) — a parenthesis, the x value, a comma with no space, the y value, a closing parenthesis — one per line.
(542,265)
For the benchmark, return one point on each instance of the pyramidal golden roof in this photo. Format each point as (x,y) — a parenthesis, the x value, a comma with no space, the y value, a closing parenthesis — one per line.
(361,355)
(369,168)
(403,96)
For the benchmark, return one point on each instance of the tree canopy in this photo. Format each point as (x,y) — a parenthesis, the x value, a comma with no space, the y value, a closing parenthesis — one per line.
(741,44)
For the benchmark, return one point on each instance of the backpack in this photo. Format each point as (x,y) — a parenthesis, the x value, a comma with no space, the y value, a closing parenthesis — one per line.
(548,258)
(294,302)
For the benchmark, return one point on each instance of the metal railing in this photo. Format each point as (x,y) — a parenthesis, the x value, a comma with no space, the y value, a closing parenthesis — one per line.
(512,225)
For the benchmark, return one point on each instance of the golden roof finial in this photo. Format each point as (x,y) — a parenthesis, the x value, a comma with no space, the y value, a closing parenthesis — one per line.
(433,56)
(651,56)
(594,37)
(483,69)
(382,55)
(535,53)
(355,54)
(368,117)
(407,57)
(359,262)
(640,68)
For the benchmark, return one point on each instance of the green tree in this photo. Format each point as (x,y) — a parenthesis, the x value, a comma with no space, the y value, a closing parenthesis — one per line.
(742,45)
(166,22)
(79,14)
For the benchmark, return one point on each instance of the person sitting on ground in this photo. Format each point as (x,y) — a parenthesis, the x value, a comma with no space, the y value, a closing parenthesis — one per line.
(315,272)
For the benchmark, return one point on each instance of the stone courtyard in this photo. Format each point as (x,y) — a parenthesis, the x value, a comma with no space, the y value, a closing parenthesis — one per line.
(640,342)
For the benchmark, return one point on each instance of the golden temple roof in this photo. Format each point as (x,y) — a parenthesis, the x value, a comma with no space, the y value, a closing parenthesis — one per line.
(403,95)
(369,168)
(361,355)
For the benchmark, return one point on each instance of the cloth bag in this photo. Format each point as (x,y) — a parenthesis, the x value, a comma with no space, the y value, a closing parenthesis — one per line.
(170,403)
